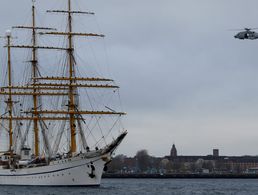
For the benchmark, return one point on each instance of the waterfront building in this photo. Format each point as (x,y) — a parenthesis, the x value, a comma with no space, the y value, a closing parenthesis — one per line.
(215,152)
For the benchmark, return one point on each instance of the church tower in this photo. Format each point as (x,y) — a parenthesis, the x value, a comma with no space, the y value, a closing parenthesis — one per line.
(173,151)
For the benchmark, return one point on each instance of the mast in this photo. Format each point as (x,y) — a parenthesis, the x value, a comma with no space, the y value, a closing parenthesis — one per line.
(10,101)
(71,103)
(71,78)
(34,75)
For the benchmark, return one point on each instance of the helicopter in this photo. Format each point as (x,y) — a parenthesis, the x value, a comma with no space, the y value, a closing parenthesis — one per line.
(248,33)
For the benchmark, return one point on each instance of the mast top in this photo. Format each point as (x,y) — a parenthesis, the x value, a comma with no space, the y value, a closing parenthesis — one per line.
(8,33)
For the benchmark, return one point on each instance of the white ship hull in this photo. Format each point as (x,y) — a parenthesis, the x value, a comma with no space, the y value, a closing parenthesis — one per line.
(65,172)
(84,169)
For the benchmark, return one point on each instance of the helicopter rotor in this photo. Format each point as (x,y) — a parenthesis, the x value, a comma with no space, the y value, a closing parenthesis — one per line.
(246,29)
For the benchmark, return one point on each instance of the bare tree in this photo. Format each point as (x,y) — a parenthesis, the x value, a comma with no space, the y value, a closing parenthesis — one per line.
(142,160)
(116,165)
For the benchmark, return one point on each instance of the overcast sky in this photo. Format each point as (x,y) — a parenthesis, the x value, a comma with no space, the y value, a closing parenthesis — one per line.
(184,78)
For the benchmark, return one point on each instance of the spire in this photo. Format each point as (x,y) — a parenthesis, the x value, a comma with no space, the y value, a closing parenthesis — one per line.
(173,151)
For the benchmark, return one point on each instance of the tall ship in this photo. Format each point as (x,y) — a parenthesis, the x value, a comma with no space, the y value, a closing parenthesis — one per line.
(59,125)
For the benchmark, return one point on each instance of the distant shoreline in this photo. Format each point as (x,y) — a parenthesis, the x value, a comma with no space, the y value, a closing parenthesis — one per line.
(181,176)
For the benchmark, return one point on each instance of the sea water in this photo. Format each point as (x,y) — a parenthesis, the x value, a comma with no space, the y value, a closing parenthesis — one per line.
(147,186)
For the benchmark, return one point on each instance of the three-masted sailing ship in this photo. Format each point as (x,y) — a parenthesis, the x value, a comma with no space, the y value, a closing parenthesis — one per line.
(50,120)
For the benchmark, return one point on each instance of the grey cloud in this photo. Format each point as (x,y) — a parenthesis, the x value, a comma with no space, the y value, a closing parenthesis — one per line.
(184,78)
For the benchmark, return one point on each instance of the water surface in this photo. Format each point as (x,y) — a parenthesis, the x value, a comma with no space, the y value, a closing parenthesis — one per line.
(147,186)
